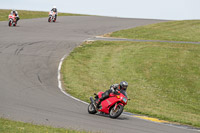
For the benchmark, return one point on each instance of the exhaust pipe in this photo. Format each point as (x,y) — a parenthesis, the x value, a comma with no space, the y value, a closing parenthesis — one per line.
(92,100)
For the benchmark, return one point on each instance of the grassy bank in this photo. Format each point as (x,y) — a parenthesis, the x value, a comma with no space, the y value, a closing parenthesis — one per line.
(164,78)
(188,30)
(8,126)
(30,14)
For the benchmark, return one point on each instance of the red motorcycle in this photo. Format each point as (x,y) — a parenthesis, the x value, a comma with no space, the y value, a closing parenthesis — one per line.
(12,20)
(113,105)
(52,16)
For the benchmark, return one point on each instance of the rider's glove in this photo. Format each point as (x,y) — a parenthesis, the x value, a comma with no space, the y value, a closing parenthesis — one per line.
(116,93)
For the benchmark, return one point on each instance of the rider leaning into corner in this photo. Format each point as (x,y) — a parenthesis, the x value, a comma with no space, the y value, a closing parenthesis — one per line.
(15,13)
(54,9)
(113,89)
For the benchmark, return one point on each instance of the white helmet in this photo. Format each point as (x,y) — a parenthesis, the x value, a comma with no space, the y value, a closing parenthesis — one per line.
(13,11)
(54,6)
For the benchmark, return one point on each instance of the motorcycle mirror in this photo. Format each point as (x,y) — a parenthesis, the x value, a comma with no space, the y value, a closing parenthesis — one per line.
(129,99)
(95,94)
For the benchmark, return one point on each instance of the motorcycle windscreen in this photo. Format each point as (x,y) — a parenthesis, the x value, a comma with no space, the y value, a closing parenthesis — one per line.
(124,93)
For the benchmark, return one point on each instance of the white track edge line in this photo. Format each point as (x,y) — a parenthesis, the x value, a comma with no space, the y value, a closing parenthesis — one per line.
(60,84)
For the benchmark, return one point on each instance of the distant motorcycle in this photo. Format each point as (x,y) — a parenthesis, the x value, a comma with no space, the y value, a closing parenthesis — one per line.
(12,20)
(113,105)
(52,16)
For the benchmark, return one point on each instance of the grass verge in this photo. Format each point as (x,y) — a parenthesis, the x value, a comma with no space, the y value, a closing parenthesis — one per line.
(187,30)
(164,78)
(24,14)
(8,126)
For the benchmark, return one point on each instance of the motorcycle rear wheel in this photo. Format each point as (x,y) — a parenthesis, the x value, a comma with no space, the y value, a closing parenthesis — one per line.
(114,113)
(91,109)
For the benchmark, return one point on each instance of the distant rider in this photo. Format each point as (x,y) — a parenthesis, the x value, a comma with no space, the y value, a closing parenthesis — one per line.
(15,13)
(54,9)
(113,89)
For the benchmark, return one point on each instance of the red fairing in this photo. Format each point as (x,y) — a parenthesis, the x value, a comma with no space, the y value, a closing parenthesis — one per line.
(11,17)
(100,94)
(111,101)
(114,105)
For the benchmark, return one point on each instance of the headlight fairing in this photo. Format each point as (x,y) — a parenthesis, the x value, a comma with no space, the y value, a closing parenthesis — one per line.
(124,100)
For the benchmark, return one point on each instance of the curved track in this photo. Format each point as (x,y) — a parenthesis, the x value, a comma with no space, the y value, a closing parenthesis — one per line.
(29,58)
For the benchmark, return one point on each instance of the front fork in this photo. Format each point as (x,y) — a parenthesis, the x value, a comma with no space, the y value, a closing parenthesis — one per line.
(116,104)
(11,21)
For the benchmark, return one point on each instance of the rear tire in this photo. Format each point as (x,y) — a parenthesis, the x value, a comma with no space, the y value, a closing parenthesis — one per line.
(54,20)
(91,109)
(116,113)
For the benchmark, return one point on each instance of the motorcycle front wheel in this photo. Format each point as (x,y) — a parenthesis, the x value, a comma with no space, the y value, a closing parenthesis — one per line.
(9,23)
(49,20)
(91,109)
(114,113)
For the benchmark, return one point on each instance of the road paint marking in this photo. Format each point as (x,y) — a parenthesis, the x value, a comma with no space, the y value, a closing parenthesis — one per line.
(60,84)
(150,119)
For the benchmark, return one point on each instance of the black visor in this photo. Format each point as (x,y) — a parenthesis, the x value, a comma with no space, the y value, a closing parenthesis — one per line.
(124,87)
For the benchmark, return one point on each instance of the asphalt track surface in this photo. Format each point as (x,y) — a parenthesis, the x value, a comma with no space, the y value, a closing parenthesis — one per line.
(29,57)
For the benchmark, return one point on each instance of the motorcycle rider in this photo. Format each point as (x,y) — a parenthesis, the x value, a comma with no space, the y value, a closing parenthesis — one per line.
(54,9)
(113,89)
(15,13)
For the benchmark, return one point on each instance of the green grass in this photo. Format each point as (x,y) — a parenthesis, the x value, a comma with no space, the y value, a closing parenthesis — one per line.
(164,78)
(8,126)
(23,14)
(188,30)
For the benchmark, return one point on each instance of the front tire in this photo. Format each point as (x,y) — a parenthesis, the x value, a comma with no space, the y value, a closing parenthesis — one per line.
(91,109)
(114,113)
(49,20)
(9,23)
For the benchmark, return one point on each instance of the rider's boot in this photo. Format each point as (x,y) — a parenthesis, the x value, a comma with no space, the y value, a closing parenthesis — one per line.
(17,20)
(105,95)
(98,103)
